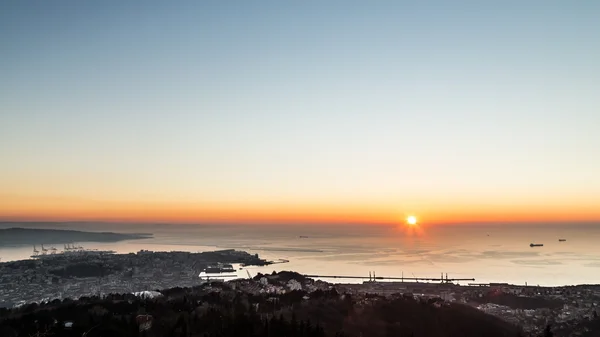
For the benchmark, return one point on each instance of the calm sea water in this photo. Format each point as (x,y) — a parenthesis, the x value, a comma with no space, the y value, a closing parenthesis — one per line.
(490,253)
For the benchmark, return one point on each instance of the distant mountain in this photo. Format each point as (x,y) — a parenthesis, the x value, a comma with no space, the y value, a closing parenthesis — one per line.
(36,236)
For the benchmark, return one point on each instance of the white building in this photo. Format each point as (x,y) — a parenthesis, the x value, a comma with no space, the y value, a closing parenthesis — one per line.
(294,285)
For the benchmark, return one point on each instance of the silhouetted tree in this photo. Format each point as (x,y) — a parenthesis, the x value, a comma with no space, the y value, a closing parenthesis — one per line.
(548,332)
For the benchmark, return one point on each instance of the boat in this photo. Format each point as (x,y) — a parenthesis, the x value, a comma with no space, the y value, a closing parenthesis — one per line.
(219,268)
(214,278)
(562,240)
(536,245)
(211,280)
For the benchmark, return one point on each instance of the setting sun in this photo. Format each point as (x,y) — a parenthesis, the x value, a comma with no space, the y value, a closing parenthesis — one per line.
(411,220)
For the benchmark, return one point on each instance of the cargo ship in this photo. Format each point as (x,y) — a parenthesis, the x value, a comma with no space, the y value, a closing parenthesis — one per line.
(562,240)
(536,245)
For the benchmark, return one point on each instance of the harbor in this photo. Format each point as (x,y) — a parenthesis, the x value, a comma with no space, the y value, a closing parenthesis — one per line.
(68,250)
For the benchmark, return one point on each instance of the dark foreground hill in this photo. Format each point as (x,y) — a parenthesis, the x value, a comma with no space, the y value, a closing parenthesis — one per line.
(35,236)
(220,310)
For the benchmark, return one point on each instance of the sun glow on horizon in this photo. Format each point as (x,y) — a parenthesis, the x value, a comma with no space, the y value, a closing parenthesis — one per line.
(411,220)
(410,228)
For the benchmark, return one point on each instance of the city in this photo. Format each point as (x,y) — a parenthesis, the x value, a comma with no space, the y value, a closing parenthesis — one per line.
(61,276)
(72,275)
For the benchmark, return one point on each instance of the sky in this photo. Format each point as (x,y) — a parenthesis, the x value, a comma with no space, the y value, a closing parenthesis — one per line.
(319,111)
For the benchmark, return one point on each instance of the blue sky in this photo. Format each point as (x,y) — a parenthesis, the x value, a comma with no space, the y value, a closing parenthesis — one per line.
(391,102)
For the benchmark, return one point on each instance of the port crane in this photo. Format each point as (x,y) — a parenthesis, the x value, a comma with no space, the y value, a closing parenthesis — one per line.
(44,250)
(35,251)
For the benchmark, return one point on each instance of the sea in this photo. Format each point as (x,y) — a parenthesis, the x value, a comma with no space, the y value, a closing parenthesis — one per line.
(499,253)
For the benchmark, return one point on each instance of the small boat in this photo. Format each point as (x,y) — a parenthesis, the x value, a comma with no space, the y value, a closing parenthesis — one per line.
(562,240)
(536,245)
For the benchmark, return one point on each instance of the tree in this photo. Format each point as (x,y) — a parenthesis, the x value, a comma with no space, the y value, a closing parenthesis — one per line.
(548,332)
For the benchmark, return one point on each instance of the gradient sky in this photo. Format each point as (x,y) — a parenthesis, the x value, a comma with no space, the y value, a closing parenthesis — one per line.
(316,111)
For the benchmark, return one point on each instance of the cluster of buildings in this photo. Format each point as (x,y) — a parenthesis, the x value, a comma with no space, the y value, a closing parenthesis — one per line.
(75,275)
(570,306)
(533,308)
(272,285)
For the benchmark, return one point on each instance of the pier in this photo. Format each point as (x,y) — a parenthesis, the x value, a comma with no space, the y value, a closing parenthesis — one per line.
(373,278)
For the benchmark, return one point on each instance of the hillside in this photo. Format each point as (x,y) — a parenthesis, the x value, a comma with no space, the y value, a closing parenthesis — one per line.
(221,310)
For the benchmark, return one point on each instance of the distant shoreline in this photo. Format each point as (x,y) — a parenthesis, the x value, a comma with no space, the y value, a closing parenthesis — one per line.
(17,236)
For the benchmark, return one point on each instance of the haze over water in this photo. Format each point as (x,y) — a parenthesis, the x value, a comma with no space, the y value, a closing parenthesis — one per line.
(490,253)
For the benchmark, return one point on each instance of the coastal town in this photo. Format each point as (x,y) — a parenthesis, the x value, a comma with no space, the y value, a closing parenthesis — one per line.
(84,273)
(566,308)
(46,279)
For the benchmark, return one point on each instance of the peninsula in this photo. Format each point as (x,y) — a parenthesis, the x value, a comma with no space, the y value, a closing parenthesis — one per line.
(37,236)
